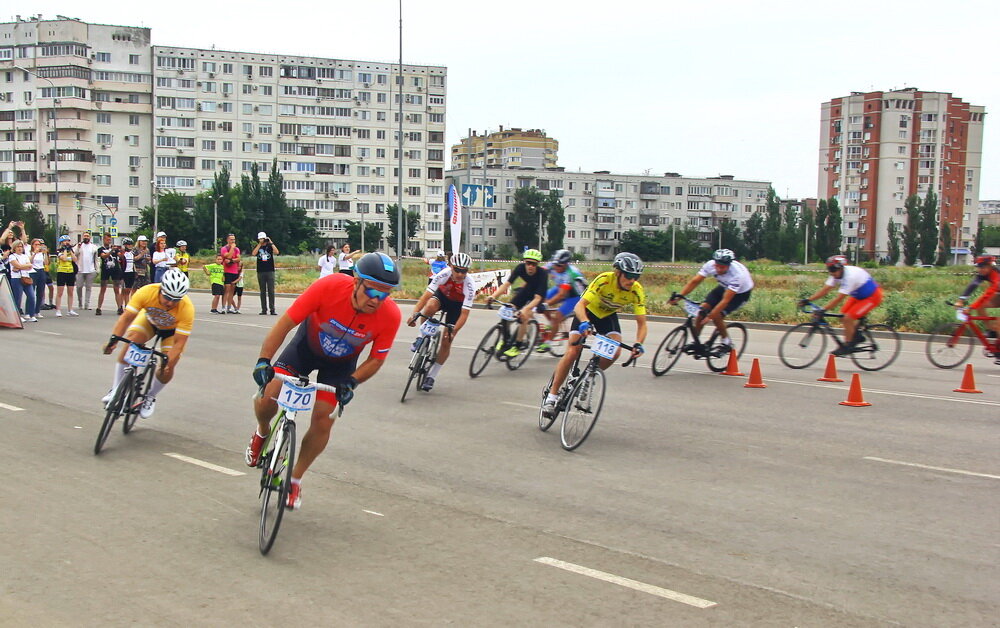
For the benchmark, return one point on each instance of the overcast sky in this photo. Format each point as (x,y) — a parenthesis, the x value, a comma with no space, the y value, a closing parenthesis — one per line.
(699,88)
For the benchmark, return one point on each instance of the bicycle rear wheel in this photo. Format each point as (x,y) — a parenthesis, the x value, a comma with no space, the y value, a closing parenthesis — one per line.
(560,339)
(276,478)
(802,345)
(484,352)
(670,350)
(950,345)
(530,340)
(717,355)
(582,409)
(131,413)
(114,410)
(878,348)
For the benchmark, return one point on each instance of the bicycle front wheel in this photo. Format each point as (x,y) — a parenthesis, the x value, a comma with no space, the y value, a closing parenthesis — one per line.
(582,409)
(275,483)
(950,345)
(878,349)
(530,340)
(131,408)
(670,350)
(717,354)
(802,345)
(115,408)
(484,352)
(417,366)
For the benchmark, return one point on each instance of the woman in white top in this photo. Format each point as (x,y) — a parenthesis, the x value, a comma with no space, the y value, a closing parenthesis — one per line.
(39,256)
(162,260)
(20,267)
(328,263)
(345,260)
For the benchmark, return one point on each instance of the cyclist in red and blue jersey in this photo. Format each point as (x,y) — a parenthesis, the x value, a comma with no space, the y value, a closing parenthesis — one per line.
(568,286)
(453,291)
(863,295)
(337,316)
(986,273)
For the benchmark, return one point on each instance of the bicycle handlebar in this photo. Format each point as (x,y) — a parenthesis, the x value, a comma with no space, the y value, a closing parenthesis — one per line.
(431,318)
(811,308)
(630,362)
(303,381)
(166,360)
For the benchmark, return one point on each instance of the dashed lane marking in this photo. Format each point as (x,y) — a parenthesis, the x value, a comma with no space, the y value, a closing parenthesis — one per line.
(372,512)
(11,408)
(683,598)
(202,463)
(932,468)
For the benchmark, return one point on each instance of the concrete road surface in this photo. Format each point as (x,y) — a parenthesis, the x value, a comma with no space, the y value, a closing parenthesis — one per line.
(695,502)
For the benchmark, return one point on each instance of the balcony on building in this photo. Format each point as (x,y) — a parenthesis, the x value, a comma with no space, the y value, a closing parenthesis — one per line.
(82,124)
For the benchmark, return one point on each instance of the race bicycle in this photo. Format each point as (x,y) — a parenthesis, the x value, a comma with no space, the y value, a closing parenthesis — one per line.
(500,338)
(714,352)
(951,344)
(582,394)
(428,345)
(552,337)
(277,459)
(877,345)
(141,362)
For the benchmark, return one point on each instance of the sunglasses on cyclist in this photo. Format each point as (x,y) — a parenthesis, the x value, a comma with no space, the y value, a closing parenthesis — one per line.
(631,275)
(455,269)
(376,293)
(530,263)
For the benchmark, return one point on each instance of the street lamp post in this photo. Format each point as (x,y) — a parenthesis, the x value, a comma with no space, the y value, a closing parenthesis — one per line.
(954,225)
(54,162)
(156,206)
(215,220)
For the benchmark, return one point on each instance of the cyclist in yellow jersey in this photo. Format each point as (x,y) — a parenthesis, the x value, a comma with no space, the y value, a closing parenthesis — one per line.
(597,312)
(162,309)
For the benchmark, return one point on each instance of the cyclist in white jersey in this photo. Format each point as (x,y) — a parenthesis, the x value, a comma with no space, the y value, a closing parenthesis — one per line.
(735,286)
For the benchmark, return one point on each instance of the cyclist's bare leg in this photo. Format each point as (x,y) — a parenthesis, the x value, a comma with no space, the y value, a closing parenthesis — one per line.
(850,326)
(316,438)
(720,324)
(432,307)
(444,349)
(133,335)
(524,316)
(266,407)
(566,362)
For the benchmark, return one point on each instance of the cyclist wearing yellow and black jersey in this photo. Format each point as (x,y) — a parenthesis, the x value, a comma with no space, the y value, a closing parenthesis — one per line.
(597,312)
(161,309)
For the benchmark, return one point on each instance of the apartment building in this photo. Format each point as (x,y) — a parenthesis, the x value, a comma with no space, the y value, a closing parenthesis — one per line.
(600,206)
(506,148)
(132,120)
(75,118)
(878,148)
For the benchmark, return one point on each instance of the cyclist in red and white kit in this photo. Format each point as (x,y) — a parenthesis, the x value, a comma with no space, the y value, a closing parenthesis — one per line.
(336,317)
(986,273)
(453,291)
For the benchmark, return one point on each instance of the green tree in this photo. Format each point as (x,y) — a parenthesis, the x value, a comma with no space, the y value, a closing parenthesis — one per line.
(753,236)
(833,227)
(252,202)
(929,232)
(893,242)
(523,219)
(944,245)
(911,230)
(174,218)
(12,207)
(820,240)
(772,226)
(556,227)
(808,222)
(373,235)
(411,220)
(989,235)
(226,199)
(732,238)
(791,235)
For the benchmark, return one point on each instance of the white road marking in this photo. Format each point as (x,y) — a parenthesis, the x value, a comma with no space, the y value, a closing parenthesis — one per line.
(77,427)
(925,466)
(51,333)
(11,408)
(202,463)
(234,323)
(372,512)
(628,583)
(520,405)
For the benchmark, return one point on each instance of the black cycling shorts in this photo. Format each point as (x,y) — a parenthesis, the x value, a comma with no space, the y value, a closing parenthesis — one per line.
(603,326)
(713,298)
(452,309)
(522,297)
(298,359)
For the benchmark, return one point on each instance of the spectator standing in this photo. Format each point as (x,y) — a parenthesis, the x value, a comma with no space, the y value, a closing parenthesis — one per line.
(264,251)
(345,260)
(39,254)
(21,281)
(328,263)
(6,244)
(86,254)
(111,272)
(182,257)
(65,275)
(216,274)
(231,265)
(142,259)
(126,261)
(161,259)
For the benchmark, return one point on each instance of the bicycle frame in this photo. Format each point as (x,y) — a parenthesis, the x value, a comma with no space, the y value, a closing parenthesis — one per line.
(977,330)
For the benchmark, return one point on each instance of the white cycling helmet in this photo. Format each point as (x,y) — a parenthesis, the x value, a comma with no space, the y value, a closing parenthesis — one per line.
(628,263)
(174,284)
(724,256)
(461,260)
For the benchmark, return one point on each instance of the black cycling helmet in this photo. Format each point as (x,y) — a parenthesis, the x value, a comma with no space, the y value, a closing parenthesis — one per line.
(378,267)
(836,262)
(628,263)
(562,256)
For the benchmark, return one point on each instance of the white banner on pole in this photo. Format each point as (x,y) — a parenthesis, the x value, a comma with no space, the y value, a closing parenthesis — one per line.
(455,219)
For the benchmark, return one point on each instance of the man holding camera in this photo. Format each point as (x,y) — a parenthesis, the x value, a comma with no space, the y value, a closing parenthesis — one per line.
(264,251)
(86,253)
(111,272)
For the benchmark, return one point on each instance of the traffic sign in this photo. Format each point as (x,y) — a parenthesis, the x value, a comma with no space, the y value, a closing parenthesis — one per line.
(113,231)
(113,222)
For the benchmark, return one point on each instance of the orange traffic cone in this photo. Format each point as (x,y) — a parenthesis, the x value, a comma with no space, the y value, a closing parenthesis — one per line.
(854,396)
(831,371)
(755,381)
(732,368)
(968,382)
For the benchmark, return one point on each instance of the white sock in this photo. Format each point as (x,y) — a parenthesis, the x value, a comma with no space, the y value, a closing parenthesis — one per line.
(727,342)
(552,398)
(155,387)
(296,480)
(119,373)
(434,370)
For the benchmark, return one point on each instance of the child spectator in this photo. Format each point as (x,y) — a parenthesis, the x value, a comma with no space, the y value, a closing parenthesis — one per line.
(216,274)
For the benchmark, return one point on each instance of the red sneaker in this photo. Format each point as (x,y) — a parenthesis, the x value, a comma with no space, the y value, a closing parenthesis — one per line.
(253,449)
(294,496)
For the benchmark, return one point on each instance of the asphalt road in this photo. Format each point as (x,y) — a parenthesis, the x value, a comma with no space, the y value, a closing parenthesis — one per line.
(695,502)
